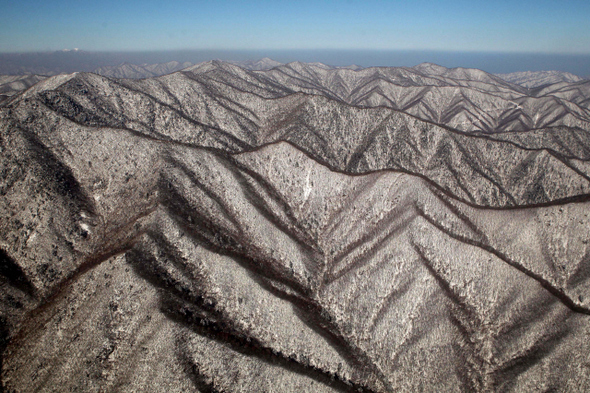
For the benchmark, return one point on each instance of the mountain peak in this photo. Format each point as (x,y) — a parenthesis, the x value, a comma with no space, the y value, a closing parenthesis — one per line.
(431,68)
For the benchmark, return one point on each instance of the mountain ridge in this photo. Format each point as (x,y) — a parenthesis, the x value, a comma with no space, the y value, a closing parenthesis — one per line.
(532,79)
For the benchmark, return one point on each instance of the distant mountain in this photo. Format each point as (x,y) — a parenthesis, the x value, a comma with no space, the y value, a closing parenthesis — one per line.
(257,65)
(465,99)
(458,73)
(266,64)
(132,71)
(13,84)
(297,228)
(353,67)
(68,61)
(534,79)
(49,63)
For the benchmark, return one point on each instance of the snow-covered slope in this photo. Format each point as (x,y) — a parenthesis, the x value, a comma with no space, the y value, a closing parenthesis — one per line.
(533,79)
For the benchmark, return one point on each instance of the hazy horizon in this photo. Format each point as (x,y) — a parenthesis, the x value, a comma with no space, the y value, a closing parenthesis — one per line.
(493,62)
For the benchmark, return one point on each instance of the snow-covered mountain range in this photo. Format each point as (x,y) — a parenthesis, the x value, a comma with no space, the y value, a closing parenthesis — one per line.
(295,227)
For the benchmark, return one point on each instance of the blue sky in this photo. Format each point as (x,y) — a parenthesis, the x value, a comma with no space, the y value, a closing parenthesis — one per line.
(484,26)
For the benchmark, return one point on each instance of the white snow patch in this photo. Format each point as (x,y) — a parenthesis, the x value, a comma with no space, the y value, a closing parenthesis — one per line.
(308,187)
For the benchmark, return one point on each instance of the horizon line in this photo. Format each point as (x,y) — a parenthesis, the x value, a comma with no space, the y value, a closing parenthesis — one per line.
(468,51)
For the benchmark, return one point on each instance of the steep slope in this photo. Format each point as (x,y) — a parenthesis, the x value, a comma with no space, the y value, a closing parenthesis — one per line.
(220,230)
